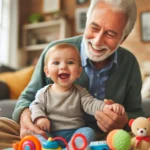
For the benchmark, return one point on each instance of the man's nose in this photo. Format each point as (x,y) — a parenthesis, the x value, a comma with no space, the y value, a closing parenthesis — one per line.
(99,39)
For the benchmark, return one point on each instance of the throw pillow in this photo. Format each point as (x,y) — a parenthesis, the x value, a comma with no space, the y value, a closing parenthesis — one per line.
(17,81)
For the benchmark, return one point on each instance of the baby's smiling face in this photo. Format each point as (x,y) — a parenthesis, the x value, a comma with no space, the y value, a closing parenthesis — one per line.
(63,67)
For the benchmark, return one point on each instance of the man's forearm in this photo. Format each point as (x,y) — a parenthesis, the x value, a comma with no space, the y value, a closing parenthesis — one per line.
(25,112)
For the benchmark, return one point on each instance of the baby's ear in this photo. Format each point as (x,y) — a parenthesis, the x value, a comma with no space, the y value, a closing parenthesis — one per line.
(79,71)
(46,71)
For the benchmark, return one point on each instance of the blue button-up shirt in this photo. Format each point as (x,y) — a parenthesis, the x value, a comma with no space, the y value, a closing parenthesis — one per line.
(97,77)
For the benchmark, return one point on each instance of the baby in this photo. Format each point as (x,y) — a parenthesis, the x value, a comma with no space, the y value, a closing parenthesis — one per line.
(58,108)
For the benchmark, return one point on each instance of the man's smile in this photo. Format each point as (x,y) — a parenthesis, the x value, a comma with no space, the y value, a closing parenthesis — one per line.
(96,50)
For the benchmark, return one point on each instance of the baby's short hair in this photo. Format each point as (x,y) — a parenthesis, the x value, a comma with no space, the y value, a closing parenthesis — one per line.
(61,46)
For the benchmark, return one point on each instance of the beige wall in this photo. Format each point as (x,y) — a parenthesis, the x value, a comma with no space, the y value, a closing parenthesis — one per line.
(133,42)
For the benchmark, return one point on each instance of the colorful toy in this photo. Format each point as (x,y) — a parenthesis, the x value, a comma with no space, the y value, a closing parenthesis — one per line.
(28,141)
(32,143)
(99,145)
(140,127)
(118,140)
(51,144)
(79,135)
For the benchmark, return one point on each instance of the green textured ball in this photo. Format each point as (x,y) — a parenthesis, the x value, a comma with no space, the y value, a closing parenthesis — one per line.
(122,140)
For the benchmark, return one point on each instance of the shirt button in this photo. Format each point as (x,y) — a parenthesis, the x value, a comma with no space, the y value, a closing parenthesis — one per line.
(102,89)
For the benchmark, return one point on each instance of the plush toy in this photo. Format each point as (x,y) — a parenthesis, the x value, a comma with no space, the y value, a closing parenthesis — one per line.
(140,128)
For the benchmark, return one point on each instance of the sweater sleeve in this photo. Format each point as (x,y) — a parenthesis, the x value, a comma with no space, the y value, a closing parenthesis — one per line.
(37,81)
(38,106)
(90,104)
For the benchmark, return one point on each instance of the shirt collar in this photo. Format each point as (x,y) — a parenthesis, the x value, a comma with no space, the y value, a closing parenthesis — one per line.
(84,57)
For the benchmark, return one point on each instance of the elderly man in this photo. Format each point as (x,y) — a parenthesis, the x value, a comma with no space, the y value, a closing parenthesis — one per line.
(109,71)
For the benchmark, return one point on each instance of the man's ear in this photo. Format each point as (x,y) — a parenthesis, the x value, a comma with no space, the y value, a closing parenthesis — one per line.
(46,71)
(79,72)
(123,39)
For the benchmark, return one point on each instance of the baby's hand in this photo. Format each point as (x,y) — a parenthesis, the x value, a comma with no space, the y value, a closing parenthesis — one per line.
(117,108)
(43,124)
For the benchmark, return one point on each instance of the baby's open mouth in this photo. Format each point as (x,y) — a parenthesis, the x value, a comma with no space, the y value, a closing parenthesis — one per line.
(64,75)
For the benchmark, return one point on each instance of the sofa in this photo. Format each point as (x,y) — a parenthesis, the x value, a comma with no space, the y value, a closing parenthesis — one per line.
(12,83)
(7,107)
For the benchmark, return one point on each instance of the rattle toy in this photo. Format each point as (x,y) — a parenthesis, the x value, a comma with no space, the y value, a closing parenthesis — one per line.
(79,135)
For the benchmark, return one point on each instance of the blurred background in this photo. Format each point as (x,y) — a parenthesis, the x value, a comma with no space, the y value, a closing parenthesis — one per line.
(27,26)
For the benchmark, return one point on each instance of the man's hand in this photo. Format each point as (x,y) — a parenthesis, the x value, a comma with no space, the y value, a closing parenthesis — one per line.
(26,124)
(109,120)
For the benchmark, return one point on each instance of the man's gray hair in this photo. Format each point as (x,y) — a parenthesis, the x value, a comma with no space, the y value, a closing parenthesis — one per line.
(127,6)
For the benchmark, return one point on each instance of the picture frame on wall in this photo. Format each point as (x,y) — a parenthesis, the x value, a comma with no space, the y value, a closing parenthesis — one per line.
(80,19)
(81,1)
(145,26)
(50,6)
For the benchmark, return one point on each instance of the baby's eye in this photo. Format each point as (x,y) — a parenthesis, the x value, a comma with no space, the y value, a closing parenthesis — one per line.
(56,62)
(70,62)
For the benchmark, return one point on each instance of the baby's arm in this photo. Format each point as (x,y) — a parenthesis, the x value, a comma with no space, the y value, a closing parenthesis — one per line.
(117,108)
(43,123)
(38,111)
(91,105)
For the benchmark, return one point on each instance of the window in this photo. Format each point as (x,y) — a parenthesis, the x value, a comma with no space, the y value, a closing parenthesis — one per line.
(145,26)
(8,35)
(80,19)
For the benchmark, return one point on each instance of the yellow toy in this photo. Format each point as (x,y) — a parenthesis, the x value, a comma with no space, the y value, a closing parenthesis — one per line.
(140,127)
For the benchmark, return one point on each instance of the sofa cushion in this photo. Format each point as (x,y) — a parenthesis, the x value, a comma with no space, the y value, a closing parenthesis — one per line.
(4,94)
(7,107)
(17,81)
(145,106)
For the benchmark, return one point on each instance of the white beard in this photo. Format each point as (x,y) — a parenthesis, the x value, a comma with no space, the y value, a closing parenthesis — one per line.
(97,57)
